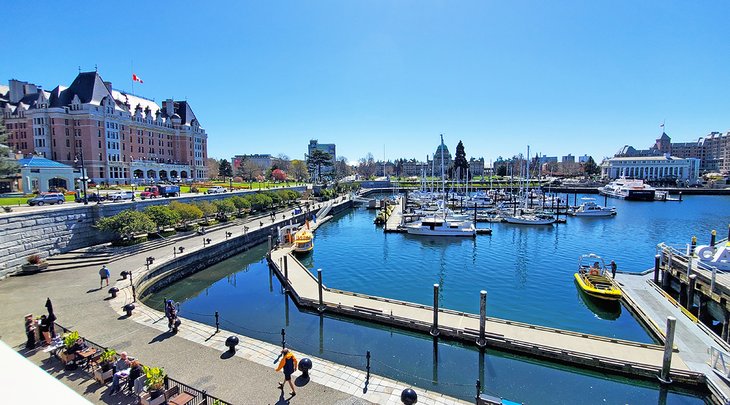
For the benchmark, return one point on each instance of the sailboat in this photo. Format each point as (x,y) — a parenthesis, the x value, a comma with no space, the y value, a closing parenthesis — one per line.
(524,217)
(440,224)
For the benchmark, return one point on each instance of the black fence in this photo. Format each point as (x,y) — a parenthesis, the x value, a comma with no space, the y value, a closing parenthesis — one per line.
(200,397)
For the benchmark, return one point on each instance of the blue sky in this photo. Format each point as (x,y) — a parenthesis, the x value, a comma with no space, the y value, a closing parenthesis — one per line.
(265,77)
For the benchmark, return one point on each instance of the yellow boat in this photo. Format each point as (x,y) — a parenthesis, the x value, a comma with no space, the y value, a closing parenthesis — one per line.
(596,280)
(303,241)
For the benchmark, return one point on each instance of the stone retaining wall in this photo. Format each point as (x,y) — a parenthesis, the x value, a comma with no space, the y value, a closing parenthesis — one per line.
(50,232)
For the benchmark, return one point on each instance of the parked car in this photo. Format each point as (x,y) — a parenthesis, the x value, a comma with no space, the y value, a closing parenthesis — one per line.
(216,190)
(47,198)
(93,197)
(121,195)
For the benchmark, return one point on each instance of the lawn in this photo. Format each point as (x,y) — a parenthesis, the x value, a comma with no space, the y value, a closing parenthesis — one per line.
(24,200)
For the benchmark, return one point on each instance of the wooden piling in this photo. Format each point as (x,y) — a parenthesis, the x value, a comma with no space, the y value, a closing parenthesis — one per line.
(319,282)
(691,291)
(481,342)
(668,344)
(657,260)
(435,327)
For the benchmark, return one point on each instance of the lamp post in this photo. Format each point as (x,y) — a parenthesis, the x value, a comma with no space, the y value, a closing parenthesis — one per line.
(230,184)
(83,174)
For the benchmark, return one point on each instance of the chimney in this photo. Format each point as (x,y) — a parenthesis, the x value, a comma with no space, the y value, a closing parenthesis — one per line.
(169,107)
(108,86)
(17,90)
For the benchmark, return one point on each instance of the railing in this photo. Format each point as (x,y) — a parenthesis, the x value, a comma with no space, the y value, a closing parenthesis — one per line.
(720,362)
(200,397)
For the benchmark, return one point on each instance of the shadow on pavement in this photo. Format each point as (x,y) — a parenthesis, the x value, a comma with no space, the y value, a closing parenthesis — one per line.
(301,381)
(226,355)
(162,336)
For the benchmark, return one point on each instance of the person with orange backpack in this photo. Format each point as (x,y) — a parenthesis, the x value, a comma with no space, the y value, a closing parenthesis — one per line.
(289,364)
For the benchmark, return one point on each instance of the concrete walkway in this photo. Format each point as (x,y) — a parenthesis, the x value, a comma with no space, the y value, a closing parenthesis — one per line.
(194,356)
(692,341)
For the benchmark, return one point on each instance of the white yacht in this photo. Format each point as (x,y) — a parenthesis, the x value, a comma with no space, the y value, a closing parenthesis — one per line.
(530,219)
(628,189)
(589,208)
(439,226)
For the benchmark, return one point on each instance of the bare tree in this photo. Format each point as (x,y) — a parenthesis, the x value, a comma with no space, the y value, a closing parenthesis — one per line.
(249,170)
(367,168)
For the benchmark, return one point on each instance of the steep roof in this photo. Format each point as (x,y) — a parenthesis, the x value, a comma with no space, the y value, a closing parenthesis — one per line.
(182,108)
(39,161)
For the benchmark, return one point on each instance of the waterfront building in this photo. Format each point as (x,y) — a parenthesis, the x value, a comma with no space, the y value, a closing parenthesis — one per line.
(652,168)
(264,161)
(39,175)
(713,151)
(118,137)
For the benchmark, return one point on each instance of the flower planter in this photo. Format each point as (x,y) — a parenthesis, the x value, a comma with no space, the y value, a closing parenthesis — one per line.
(103,376)
(33,268)
(146,399)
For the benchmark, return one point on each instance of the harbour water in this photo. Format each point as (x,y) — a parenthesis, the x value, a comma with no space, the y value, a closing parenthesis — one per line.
(527,272)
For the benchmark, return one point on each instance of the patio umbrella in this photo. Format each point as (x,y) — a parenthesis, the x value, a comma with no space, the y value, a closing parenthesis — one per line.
(51,317)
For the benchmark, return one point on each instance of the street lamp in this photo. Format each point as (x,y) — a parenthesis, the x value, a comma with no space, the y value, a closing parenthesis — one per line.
(83,174)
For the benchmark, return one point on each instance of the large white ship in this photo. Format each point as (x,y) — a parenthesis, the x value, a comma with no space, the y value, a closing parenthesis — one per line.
(628,189)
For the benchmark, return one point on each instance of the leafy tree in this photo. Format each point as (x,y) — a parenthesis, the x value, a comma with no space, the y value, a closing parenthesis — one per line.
(240,203)
(186,212)
(162,216)
(590,167)
(206,208)
(316,160)
(8,165)
(278,175)
(224,207)
(127,223)
(299,170)
(225,169)
(213,167)
(261,201)
(461,165)
(501,170)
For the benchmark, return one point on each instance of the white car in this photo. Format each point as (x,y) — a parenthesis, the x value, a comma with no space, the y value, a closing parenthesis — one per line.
(121,195)
(216,190)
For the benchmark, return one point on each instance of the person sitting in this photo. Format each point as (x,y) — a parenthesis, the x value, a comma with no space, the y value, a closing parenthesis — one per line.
(78,346)
(135,371)
(121,370)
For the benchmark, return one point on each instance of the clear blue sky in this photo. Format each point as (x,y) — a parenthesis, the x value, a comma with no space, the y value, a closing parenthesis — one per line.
(266,76)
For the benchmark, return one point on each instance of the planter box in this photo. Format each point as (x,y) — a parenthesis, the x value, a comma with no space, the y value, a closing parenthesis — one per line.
(33,268)
(66,358)
(145,399)
(103,376)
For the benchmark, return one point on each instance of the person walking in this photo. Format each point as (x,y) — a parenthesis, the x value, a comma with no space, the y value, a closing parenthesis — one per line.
(104,273)
(613,268)
(289,364)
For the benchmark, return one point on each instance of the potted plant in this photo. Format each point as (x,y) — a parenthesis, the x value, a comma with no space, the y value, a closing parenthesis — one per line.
(69,338)
(35,264)
(155,382)
(105,370)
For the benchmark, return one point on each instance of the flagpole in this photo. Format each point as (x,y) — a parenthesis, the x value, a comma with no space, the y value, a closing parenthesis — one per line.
(132,76)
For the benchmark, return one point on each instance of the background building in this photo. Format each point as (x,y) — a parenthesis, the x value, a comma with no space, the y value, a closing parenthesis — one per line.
(264,161)
(712,151)
(123,138)
(666,168)
(324,147)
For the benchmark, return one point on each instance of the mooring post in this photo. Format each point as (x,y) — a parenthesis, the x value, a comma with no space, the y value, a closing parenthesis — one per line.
(269,244)
(217,323)
(668,345)
(481,342)
(692,246)
(691,291)
(713,238)
(319,282)
(286,270)
(435,326)
(657,260)
(283,338)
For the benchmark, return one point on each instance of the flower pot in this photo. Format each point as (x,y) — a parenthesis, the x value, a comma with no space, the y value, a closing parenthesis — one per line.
(33,268)
(103,376)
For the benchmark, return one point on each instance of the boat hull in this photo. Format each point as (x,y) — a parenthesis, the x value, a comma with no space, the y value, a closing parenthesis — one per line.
(593,213)
(465,233)
(610,292)
(524,221)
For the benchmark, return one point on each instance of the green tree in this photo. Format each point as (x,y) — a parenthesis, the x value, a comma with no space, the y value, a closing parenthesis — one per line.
(261,202)
(224,207)
(8,165)
(299,170)
(241,203)
(206,208)
(126,224)
(316,160)
(186,212)
(162,216)
(225,169)
(461,165)
(275,198)
(590,167)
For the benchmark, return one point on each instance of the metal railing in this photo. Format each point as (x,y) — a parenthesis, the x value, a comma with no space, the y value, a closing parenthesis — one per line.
(720,362)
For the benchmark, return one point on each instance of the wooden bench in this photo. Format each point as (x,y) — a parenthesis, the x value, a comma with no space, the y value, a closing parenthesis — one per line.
(175,397)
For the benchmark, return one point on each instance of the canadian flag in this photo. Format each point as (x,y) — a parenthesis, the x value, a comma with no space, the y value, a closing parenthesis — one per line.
(136,78)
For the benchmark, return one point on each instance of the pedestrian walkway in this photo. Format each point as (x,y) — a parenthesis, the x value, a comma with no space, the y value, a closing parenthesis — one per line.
(195,355)
(691,339)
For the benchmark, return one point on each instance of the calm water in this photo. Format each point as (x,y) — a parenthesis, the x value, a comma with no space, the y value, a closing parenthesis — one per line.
(527,272)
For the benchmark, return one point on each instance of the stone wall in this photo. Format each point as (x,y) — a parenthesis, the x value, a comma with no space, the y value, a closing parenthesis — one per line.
(54,231)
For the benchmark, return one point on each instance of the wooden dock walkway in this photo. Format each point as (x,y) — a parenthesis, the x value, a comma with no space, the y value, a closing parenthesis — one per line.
(579,349)
(395,220)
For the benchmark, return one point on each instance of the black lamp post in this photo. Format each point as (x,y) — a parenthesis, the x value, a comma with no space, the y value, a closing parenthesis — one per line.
(230,184)
(83,174)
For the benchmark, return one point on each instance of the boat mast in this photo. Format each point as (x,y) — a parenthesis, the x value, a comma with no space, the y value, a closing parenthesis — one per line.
(443,178)
(527,180)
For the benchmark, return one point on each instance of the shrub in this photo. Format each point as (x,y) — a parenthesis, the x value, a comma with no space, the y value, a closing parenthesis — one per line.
(127,223)
(186,212)
(162,216)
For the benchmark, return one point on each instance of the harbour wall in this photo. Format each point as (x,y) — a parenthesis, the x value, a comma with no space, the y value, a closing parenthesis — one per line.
(48,232)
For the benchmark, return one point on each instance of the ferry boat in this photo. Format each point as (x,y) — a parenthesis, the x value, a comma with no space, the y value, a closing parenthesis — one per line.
(589,208)
(442,226)
(596,280)
(628,189)
(303,241)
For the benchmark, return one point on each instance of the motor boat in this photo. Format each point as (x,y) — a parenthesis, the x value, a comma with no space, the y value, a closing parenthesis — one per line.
(595,279)
(303,241)
(628,189)
(530,219)
(442,226)
(589,208)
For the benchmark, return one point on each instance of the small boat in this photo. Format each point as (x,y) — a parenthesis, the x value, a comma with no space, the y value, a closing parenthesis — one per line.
(303,241)
(442,226)
(589,208)
(530,219)
(595,280)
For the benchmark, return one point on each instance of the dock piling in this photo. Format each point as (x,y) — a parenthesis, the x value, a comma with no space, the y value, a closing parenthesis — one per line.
(657,260)
(217,323)
(286,270)
(713,237)
(269,244)
(283,338)
(668,345)
(691,291)
(692,246)
(435,327)
(319,282)
(726,318)
(481,342)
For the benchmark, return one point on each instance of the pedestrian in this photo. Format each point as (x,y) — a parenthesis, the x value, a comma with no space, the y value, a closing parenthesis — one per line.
(29,332)
(104,273)
(289,364)
(171,313)
(613,268)
(45,326)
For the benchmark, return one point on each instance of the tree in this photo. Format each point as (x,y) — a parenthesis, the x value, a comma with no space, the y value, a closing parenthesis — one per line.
(261,201)
(213,167)
(316,160)
(461,165)
(283,163)
(241,203)
(590,167)
(126,224)
(299,170)
(342,169)
(224,207)
(225,169)
(186,212)
(278,175)
(249,170)
(366,167)
(206,208)
(162,216)
(8,165)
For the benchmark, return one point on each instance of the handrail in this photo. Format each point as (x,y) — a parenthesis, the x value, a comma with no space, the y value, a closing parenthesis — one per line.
(720,362)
